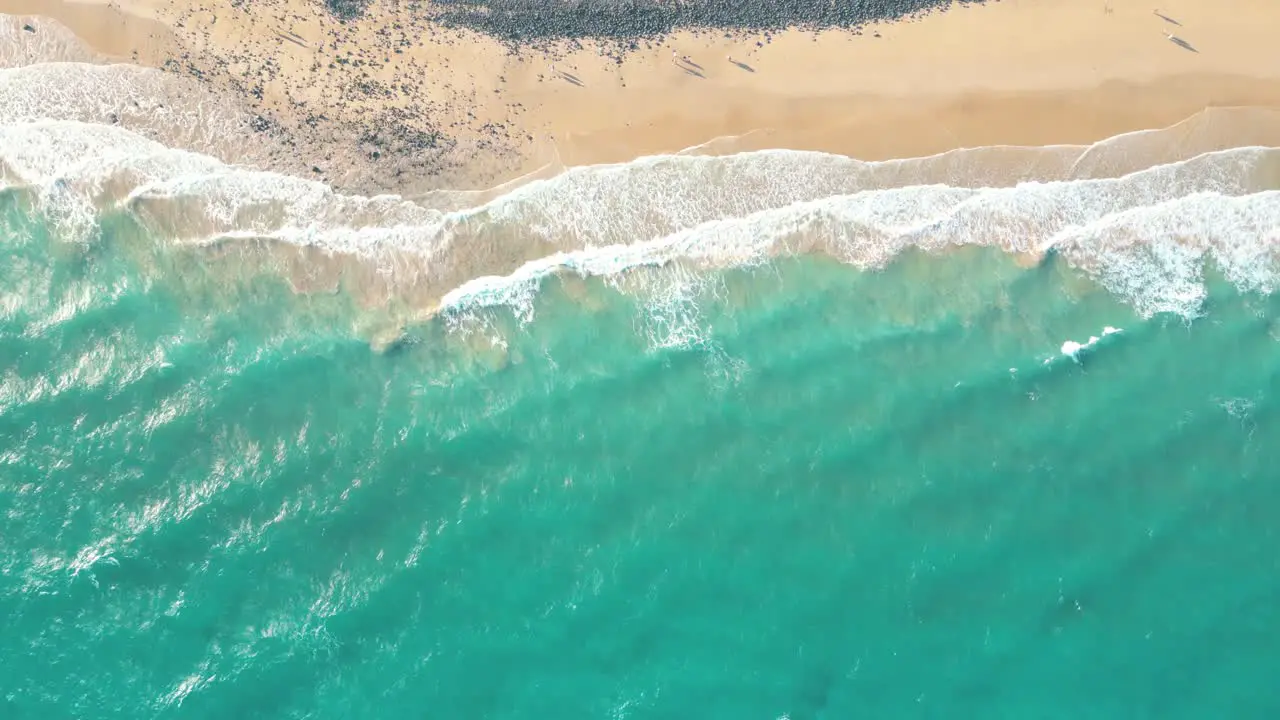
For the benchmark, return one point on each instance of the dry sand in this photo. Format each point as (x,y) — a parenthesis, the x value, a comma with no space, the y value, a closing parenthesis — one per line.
(1014,72)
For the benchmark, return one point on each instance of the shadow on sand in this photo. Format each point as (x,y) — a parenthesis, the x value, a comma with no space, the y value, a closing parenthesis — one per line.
(691,71)
(1182,43)
(570,78)
(743,65)
(1166,18)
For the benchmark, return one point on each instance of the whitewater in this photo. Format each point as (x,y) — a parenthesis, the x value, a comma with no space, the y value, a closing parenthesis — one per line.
(1143,213)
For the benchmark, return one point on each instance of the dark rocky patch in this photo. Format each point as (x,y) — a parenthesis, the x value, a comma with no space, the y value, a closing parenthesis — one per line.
(426,138)
(525,21)
(533,20)
(347,9)
(260,123)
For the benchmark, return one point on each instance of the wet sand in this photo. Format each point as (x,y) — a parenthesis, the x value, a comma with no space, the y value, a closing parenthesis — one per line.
(426,106)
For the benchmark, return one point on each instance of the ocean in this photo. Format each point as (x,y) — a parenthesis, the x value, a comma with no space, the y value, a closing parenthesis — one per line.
(748,435)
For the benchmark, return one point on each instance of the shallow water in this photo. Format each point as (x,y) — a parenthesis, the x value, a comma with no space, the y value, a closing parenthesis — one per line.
(774,435)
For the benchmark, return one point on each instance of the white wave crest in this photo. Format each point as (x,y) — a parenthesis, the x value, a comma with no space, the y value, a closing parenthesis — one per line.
(1144,233)
(76,168)
(654,196)
(241,202)
(1145,236)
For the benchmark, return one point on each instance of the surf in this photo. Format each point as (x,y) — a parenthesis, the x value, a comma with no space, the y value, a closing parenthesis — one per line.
(1144,214)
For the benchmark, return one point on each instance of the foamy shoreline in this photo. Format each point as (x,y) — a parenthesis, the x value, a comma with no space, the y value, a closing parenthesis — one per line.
(1017,72)
(664,168)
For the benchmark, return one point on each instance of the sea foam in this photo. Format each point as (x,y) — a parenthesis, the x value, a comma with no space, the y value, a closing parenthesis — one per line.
(160,106)
(1145,235)
(50,41)
(1141,212)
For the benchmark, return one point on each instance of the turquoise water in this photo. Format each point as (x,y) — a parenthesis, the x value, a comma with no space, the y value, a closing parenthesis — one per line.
(853,494)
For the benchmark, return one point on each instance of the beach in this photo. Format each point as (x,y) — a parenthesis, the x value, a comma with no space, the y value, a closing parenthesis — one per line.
(416,161)
(1021,72)
(639,359)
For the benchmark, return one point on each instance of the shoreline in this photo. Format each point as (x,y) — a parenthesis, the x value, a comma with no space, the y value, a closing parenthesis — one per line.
(475,115)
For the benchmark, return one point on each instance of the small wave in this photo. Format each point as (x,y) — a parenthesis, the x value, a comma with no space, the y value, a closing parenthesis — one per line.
(1103,207)
(159,106)
(654,196)
(1072,349)
(1214,128)
(239,202)
(85,155)
(1144,235)
(561,225)
(77,169)
(659,195)
(1154,256)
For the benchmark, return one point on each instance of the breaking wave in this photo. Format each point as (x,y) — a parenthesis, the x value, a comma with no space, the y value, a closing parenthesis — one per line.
(1142,213)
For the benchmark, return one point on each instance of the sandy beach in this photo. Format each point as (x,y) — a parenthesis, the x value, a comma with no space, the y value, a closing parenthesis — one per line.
(1030,72)
(444,359)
